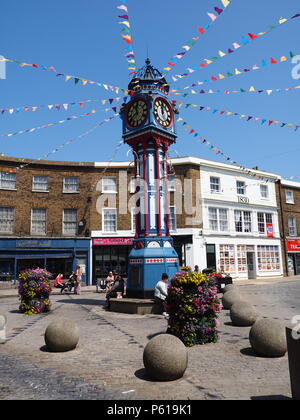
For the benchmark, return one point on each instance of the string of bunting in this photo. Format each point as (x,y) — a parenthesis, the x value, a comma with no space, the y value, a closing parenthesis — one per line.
(218,151)
(126,36)
(237,114)
(67,77)
(252,89)
(59,107)
(264,63)
(201,31)
(63,145)
(235,46)
(31,130)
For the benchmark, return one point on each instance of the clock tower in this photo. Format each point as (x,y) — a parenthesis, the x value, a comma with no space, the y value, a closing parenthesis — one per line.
(149,129)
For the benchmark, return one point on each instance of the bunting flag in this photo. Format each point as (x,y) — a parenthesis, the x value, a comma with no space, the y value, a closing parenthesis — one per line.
(59,107)
(246,117)
(252,89)
(232,73)
(63,145)
(219,152)
(67,77)
(31,130)
(245,40)
(200,31)
(126,36)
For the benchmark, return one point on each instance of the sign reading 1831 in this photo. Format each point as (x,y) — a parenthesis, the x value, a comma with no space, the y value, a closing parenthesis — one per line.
(243,200)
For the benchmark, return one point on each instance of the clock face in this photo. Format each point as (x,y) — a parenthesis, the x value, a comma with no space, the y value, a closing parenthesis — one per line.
(163,113)
(137,113)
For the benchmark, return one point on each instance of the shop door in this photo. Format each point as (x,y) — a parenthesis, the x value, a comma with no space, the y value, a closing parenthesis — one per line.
(297,263)
(251,265)
(211,257)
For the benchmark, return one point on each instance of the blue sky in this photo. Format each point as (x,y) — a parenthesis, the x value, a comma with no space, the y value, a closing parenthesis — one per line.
(83,38)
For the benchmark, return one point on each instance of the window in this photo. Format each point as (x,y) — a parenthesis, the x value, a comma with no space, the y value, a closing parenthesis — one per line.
(133,219)
(264,191)
(109,184)
(109,220)
(240,187)
(214,185)
(289,197)
(173,224)
(218,219)
(242,256)
(39,183)
(268,258)
(171,182)
(227,259)
(7,219)
(263,219)
(70,222)
(242,221)
(71,184)
(38,221)
(292,226)
(132,185)
(7,181)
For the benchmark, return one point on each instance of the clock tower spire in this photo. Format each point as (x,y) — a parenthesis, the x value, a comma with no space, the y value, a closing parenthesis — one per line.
(149,129)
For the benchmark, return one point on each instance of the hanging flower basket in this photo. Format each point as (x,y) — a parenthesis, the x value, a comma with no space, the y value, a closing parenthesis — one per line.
(193,307)
(34,291)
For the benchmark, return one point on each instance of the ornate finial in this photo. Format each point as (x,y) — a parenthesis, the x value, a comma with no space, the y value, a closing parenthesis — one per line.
(148,61)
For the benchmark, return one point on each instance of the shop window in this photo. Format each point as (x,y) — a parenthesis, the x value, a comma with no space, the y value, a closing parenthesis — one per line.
(7,219)
(109,184)
(289,197)
(7,181)
(227,258)
(242,257)
(71,184)
(40,183)
(109,220)
(268,258)
(292,226)
(70,222)
(38,221)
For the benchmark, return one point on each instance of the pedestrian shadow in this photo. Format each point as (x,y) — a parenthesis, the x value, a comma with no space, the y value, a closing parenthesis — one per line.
(82,301)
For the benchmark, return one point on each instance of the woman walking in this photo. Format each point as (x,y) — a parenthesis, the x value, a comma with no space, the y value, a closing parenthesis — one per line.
(77,287)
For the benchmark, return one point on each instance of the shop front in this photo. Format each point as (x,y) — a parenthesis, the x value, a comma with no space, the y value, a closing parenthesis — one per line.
(55,255)
(110,254)
(293,251)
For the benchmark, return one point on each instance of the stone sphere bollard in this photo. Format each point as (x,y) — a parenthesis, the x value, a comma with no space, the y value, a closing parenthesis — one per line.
(61,335)
(267,338)
(229,298)
(3,321)
(165,357)
(242,314)
(228,288)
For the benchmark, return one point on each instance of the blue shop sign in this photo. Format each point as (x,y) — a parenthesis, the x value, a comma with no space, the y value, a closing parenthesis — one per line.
(33,243)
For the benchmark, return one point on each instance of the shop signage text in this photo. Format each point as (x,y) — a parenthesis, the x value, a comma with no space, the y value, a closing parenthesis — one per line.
(293,245)
(33,243)
(112,241)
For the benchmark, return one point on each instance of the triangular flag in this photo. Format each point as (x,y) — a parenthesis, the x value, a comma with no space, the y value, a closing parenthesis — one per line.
(212,16)
(225,3)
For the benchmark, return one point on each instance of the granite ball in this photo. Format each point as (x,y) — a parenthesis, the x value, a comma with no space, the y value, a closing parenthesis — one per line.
(165,357)
(267,338)
(61,335)
(242,314)
(229,298)
(229,287)
(3,320)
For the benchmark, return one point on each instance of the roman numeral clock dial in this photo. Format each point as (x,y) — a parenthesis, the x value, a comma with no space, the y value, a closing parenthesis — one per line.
(163,113)
(137,113)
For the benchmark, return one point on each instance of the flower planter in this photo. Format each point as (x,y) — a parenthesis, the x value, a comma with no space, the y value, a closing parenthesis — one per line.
(34,291)
(193,307)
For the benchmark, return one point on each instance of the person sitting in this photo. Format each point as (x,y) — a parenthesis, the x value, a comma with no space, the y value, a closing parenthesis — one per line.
(59,283)
(118,287)
(110,281)
(161,292)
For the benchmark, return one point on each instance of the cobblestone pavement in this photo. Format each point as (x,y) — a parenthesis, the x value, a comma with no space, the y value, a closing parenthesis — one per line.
(108,361)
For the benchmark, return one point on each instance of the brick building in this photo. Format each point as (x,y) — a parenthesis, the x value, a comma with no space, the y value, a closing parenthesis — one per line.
(288,198)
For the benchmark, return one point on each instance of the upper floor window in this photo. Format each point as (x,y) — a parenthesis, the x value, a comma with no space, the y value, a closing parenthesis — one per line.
(218,219)
(132,185)
(173,224)
(289,197)
(71,184)
(171,182)
(263,219)
(264,191)
(240,187)
(7,219)
(214,184)
(70,226)
(109,184)
(39,183)
(242,221)
(109,220)
(292,226)
(38,221)
(7,181)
